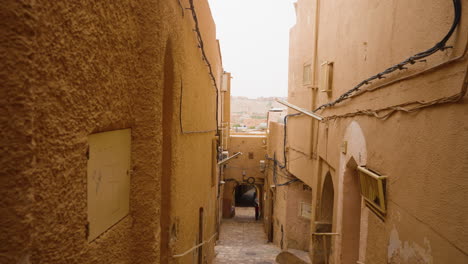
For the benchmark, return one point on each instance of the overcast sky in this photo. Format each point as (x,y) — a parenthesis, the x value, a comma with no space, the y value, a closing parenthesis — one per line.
(254,37)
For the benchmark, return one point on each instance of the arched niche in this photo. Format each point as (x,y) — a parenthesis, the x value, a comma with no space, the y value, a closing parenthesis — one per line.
(324,223)
(350,244)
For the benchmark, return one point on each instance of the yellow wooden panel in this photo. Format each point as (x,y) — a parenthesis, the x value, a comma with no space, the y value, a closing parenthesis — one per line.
(108,180)
(373,190)
(326,77)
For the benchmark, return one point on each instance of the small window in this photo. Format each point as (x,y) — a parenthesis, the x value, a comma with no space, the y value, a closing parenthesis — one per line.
(306,74)
(214,161)
(305,210)
(373,190)
(251,155)
(326,77)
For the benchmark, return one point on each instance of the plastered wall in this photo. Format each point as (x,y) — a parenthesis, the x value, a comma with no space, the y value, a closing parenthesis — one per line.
(254,144)
(248,164)
(73,69)
(422,153)
(298,226)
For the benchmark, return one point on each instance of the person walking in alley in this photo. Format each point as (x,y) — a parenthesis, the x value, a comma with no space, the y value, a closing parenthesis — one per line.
(256,206)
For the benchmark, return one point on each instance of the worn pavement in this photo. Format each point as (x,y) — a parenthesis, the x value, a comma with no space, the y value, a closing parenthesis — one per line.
(243,240)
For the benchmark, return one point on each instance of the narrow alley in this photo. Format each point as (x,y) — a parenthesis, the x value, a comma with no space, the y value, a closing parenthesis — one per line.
(232,132)
(243,240)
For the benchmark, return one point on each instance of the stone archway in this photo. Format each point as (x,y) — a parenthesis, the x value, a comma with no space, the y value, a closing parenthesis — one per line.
(324,223)
(351,225)
(248,195)
(244,195)
(351,243)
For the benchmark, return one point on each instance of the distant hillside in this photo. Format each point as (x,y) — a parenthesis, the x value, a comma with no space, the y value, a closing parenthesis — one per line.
(253,107)
(250,115)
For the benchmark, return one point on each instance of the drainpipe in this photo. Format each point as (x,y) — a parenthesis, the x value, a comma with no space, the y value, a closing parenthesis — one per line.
(313,141)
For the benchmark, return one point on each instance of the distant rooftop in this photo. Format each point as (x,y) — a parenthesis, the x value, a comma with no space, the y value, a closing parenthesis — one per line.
(250,134)
(276,110)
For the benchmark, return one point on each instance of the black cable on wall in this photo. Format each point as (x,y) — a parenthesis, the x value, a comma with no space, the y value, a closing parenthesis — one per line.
(439,46)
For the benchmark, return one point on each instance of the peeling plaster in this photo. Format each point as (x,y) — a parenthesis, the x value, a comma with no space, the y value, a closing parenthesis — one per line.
(408,251)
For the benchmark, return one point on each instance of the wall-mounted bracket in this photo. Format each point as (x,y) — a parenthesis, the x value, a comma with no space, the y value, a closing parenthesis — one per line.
(301,110)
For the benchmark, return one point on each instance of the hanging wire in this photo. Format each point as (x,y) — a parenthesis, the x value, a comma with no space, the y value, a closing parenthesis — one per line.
(201,46)
(281,174)
(440,46)
(409,107)
(182,8)
(288,183)
(276,165)
(285,138)
(407,77)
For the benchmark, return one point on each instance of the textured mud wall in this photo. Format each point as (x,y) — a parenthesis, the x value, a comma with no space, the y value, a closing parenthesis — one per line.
(279,217)
(16,136)
(248,163)
(275,195)
(85,68)
(193,185)
(76,68)
(298,227)
(423,153)
(287,200)
(253,150)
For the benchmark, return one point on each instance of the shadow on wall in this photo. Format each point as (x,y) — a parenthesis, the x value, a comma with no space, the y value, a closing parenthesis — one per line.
(245,195)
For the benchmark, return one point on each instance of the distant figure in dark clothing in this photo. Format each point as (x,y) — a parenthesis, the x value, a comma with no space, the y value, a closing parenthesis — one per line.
(257,209)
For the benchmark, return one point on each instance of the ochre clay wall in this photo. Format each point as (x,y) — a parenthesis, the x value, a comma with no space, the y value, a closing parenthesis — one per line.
(255,144)
(286,199)
(298,227)
(74,69)
(275,195)
(274,149)
(422,153)
(246,144)
(226,111)
(194,185)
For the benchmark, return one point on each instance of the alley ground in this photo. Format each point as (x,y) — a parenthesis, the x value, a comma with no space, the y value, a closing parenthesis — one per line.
(243,240)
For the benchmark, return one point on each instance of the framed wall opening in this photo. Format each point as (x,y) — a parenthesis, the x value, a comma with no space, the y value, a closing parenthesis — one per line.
(351,225)
(324,223)
(248,196)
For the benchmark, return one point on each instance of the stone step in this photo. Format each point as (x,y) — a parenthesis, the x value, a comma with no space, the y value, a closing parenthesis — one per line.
(293,256)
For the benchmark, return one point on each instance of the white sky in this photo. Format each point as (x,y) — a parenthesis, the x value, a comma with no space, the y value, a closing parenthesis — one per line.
(254,37)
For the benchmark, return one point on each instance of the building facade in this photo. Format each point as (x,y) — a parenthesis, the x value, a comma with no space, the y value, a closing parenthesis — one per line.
(109,132)
(386,164)
(246,170)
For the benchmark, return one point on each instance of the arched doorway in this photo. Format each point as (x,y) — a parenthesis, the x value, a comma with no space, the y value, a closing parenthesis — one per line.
(351,226)
(350,245)
(324,223)
(247,196)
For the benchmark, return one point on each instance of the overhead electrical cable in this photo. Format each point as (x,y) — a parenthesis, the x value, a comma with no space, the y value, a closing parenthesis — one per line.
(201,46)
(439,46)
(285,138)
